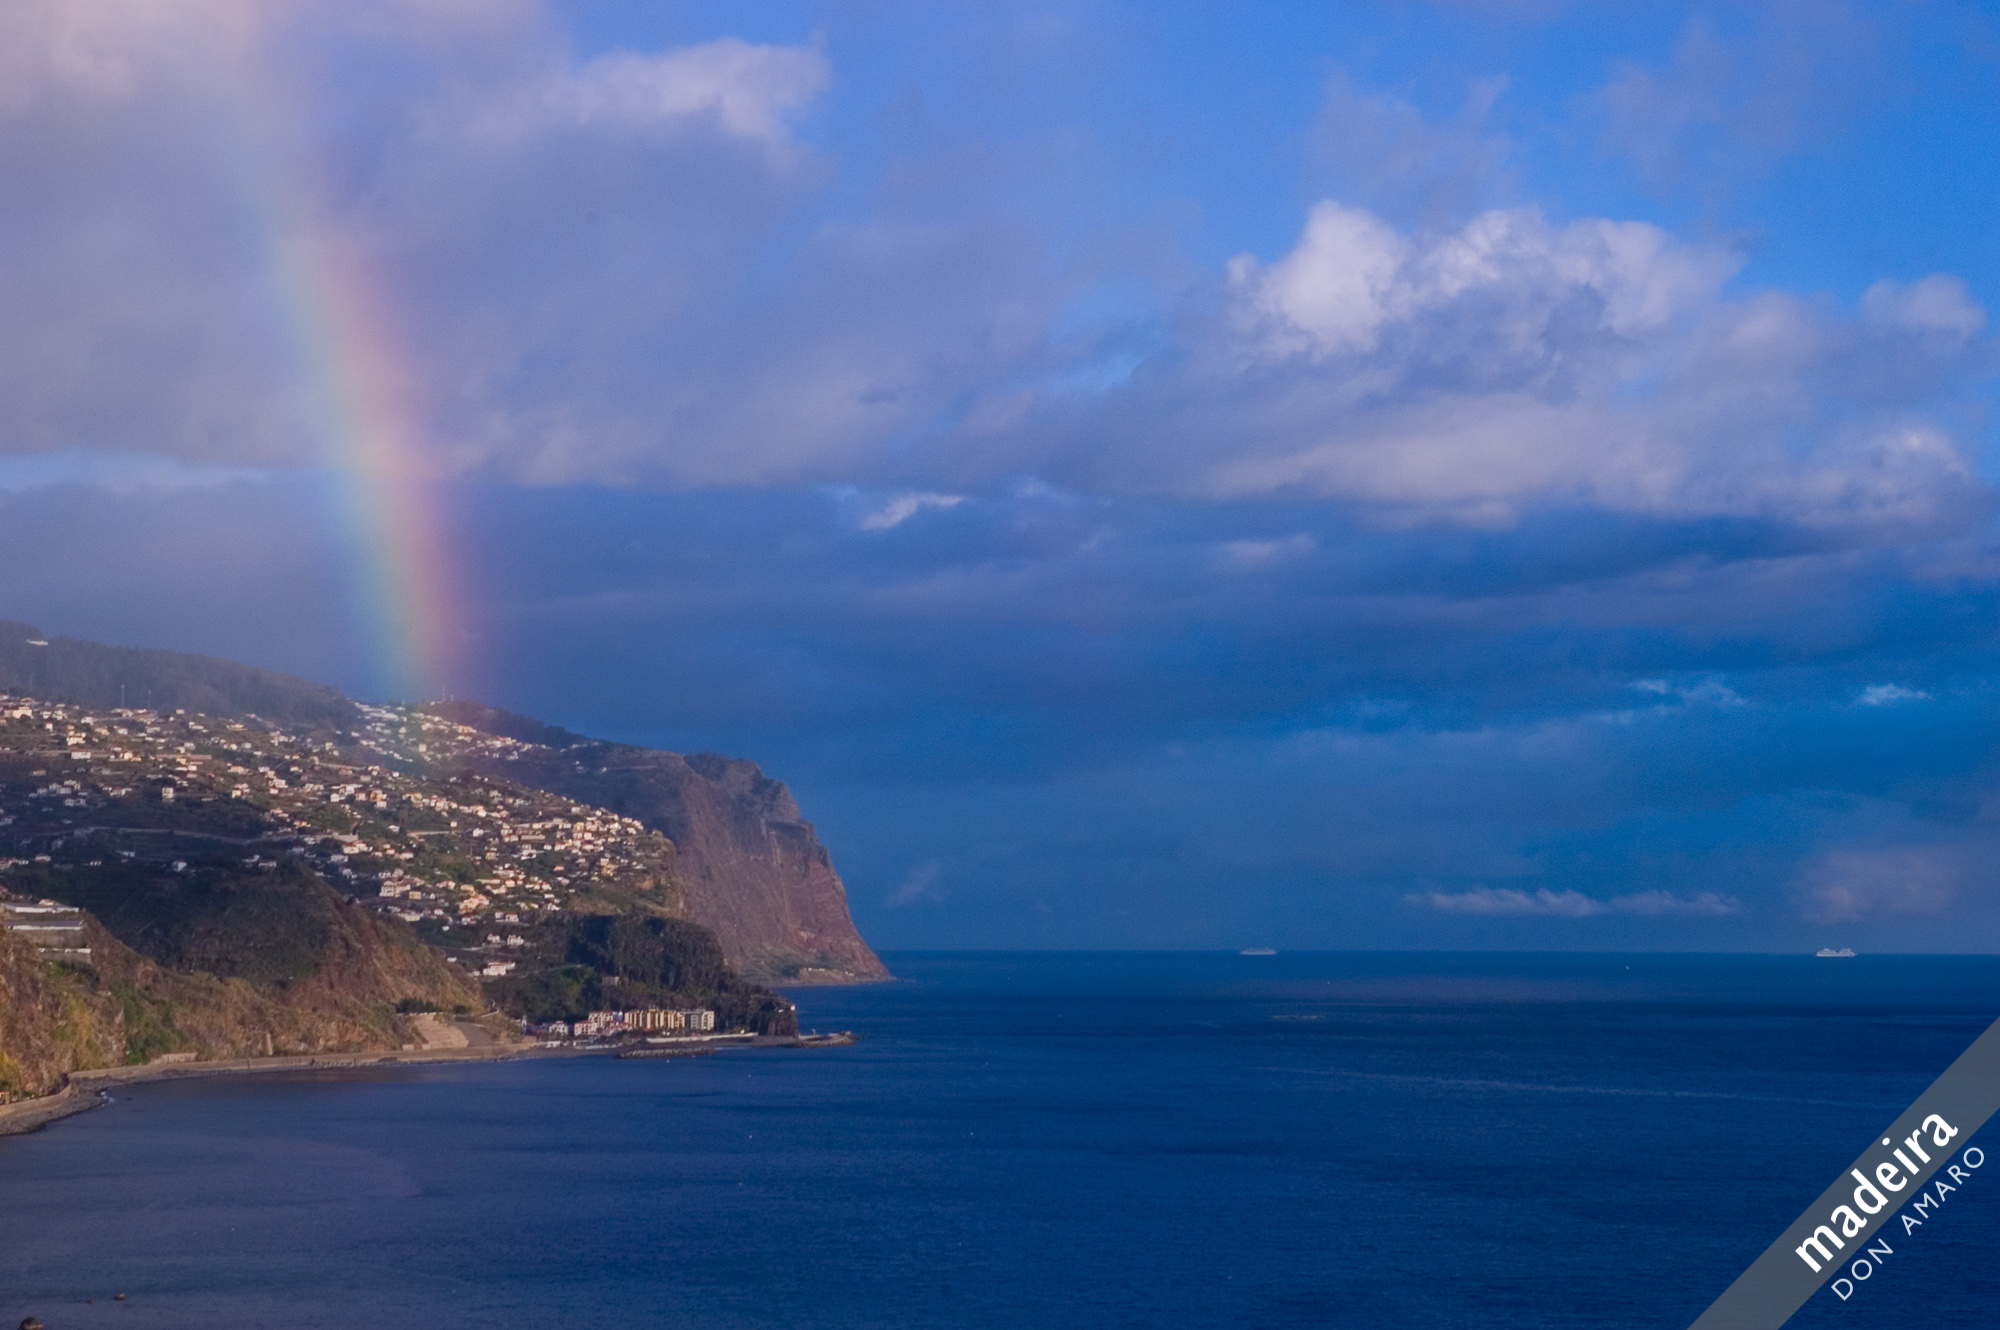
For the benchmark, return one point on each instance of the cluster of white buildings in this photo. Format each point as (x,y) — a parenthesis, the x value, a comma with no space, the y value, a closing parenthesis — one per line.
(623,1022)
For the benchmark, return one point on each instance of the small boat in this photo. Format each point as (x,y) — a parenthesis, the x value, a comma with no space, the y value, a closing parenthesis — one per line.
(1829,951)
(1260,951)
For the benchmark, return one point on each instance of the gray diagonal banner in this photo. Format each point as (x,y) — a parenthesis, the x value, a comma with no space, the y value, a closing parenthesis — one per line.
(1840,1225)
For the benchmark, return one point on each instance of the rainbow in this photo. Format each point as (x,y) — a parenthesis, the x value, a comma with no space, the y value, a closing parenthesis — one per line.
(365,395)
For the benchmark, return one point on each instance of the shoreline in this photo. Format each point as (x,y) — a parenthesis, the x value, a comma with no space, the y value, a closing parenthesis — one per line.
(85,1090)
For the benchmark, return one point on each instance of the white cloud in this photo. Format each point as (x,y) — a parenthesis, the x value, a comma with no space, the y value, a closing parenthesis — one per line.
(1254,553)
(905,506)
(1704,692)
(747,89)
(626,269)
(1939,303)
(1351,276)
(1889,694)
(1336,288)
(1701,905)
(109,52)
(585,270)
(1475,374)
(1492,902)
(114,53)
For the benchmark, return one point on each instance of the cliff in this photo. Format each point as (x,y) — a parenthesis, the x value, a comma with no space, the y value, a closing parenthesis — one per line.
(752,869)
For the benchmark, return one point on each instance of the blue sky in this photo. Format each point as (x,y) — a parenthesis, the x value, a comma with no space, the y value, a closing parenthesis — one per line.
(1383,475)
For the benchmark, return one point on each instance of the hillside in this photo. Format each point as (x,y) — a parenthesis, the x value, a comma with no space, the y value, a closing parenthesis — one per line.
(321,979)
(190,886)
(738,857)
(67,670)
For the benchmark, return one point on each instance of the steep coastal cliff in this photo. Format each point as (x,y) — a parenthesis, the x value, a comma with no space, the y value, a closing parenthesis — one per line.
(751,868)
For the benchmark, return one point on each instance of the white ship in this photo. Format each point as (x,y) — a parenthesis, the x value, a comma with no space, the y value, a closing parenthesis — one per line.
(1829,951)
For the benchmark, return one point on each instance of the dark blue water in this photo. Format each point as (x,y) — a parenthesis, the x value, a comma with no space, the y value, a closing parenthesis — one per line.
(1053,1141)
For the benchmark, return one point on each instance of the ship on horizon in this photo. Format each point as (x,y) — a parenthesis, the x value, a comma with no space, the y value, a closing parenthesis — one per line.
(1830,952)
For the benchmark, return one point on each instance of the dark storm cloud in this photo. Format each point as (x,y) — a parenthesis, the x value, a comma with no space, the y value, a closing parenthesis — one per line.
(1259,614)
(1037,718)
(1032,718)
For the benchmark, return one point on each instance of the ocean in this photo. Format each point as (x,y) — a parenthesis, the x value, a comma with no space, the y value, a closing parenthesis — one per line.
(1053,1140)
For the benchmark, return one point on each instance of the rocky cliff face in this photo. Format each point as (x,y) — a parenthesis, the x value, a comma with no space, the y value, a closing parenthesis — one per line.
(751,867)
(51,1023)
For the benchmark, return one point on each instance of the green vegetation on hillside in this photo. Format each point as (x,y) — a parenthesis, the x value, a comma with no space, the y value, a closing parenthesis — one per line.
(268,928)
(659,953)
(626,962)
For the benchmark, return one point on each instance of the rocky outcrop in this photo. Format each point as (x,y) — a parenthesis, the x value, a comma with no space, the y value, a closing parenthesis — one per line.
(751,868)
(52,1023)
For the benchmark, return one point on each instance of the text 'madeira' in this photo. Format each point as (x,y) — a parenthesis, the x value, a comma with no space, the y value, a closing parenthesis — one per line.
(1857,1208)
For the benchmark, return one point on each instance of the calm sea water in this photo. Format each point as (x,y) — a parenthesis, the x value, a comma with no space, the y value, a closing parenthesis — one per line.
(1052,1140)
